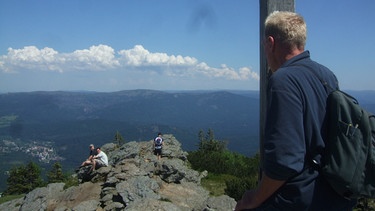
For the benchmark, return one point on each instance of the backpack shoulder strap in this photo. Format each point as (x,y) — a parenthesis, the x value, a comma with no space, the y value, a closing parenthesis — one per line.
(325,83)
(313,159)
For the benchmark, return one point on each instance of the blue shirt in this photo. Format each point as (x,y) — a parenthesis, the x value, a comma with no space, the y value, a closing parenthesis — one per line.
(294,135)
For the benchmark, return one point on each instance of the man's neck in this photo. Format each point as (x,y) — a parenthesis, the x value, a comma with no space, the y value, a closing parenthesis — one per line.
(293,53)
(285,55)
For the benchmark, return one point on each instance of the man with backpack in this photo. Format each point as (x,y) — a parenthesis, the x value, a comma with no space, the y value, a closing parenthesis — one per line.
(295,128)
(158,145)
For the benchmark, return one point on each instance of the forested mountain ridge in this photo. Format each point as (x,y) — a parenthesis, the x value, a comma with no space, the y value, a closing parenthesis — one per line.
(82,117)
(138,105)
(216,110)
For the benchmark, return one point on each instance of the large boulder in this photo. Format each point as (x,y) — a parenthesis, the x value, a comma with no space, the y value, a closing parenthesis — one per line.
(39,199)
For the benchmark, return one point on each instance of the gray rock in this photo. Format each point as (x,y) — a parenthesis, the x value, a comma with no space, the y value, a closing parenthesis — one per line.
(90,205)
(138,188)
(114,206)
(126,151)
(152,204)
(135,180)
(220,203)
(38,199)
(13,205)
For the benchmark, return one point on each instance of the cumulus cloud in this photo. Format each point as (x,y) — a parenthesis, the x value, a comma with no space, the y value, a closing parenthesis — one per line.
(29,57)
(99,57)
(104,58)
(138,56)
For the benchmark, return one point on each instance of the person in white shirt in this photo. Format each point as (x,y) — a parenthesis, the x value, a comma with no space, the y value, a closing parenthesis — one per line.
(158,145)
(99,160)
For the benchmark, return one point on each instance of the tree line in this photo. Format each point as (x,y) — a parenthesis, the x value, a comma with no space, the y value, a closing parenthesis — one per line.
(25,178)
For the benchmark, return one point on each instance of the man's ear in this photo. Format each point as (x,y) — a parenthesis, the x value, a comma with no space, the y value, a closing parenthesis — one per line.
(270,43)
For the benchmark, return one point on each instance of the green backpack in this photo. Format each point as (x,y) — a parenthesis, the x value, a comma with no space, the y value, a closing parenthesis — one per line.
(348,163)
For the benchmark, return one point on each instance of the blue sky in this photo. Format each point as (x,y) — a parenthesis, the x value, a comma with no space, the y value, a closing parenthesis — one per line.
(169,44)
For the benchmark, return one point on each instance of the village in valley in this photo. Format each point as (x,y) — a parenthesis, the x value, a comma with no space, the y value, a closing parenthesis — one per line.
(43,151)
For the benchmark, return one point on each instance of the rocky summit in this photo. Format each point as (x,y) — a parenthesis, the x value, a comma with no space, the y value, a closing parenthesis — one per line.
(134,180)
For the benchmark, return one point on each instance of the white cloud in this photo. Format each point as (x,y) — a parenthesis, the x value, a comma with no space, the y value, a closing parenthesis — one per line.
(246,72)
(138,56)
(99,57)
(29,57)
(104,58)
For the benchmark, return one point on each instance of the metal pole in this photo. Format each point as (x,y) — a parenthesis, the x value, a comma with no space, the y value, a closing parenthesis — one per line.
(266,8)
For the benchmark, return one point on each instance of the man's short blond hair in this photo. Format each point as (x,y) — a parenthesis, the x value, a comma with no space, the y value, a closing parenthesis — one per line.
(289,28)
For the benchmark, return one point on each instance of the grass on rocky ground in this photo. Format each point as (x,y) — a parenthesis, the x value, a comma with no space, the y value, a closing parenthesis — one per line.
(6,198)
(215,184)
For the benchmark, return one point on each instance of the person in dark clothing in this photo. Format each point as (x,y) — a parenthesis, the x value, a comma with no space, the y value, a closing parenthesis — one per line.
(294,128)
(88,161)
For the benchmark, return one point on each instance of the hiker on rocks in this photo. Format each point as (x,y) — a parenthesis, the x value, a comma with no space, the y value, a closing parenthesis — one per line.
(158,145)
(99,160)
(89,159)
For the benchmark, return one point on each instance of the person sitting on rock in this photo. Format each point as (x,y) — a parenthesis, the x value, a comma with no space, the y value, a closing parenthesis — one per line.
(92,154)
(99,160)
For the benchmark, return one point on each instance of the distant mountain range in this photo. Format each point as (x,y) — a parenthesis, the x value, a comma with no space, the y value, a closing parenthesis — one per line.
(70,121)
